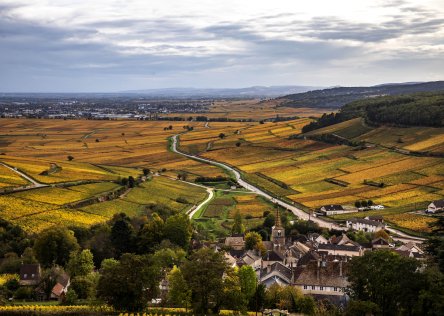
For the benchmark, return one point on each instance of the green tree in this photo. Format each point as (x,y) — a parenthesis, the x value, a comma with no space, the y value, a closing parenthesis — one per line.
(54,245)
(179,294)
(252,240)
(122,234)
(70,298)
(178,230)
(80,263)
(386,279)
(168,257)
(85,285)
(151,234)
(248,283)
(238,226)
(203,274)
(129,284)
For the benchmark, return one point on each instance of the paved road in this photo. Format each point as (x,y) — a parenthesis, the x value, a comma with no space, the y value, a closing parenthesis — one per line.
(23,175)
(296,211)
(195,209)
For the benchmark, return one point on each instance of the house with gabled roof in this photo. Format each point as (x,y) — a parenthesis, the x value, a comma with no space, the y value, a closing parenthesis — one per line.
(324,279)
(30,274)
(276,273)
(435,206)
(364,225)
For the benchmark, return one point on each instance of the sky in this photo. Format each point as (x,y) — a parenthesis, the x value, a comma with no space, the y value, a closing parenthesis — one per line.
(117,45)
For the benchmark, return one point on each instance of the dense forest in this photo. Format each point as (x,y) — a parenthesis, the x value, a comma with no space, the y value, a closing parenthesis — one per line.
(421,109)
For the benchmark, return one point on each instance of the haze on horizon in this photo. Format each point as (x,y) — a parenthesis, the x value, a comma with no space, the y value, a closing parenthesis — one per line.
(115,45)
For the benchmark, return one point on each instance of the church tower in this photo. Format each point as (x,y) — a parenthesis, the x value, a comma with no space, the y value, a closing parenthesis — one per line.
(278,232)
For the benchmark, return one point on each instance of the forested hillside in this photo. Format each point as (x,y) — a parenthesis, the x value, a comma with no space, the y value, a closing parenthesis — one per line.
(421,109)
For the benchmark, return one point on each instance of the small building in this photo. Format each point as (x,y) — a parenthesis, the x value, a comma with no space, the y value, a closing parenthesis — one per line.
(364,225)
(30,274)
(435,207)
(324,280)
(379,243)
(235,242)
(376,218)
(59,290)
(276,273)
(340,250)
(334,209)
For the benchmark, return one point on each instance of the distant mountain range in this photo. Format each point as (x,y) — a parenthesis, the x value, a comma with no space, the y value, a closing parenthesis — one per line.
(256,91)
(339,96)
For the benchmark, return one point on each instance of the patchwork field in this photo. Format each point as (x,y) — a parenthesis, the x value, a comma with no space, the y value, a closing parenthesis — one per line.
(313,173)
(102,152)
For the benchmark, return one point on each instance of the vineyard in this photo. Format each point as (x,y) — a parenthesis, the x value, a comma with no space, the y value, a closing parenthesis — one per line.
(316,173)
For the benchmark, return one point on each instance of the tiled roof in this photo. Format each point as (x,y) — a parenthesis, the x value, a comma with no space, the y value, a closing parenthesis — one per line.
(328,275)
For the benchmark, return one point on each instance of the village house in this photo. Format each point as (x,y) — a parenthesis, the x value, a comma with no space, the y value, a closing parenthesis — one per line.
(324,279)
(30,274)
(334,209)
(59,290)
(235,242)
(435,207)
(276,273)
(340,250)
(379,243)
(364,225)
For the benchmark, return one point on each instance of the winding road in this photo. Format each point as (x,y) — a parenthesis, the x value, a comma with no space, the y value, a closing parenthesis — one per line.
(35,184)
(296,211)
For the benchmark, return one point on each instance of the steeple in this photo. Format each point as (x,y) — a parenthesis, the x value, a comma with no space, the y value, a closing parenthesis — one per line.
(277,219)
(278,232)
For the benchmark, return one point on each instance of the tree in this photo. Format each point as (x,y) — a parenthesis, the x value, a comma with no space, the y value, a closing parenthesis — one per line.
(129,284)
(80,263)
(54,245)
(179,294)
(151,234)
(238,226)
(70,298)
(70,158)
(269,221)
(146,171)
(131,182)
(369,202)
(386,279)
(28,256)
(122,234)
(178,230)
(382,234)
(85,285)
(221,135)
(238,144)
(203,274)
(358,204)
(248,283)
(252,241)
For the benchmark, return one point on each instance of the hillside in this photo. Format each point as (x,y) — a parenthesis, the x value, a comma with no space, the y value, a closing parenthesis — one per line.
(337,97)
(420,109)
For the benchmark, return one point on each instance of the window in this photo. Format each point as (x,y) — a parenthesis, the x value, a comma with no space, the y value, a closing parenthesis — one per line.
(321,288)
(32,275)
(313,287)
(25,276)
(335,289)
(305,287)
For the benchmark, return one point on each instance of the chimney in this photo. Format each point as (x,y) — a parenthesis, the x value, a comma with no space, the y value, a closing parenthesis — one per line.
(340,268)
(268,268)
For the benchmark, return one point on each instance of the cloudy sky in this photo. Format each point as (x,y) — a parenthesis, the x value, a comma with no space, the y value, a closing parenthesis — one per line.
(114,45)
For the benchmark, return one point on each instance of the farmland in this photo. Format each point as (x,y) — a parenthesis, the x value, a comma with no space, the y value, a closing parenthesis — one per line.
(313,173)
(102,153)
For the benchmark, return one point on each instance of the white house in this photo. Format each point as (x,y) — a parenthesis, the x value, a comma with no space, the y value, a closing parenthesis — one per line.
(364,225)
(436,206)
